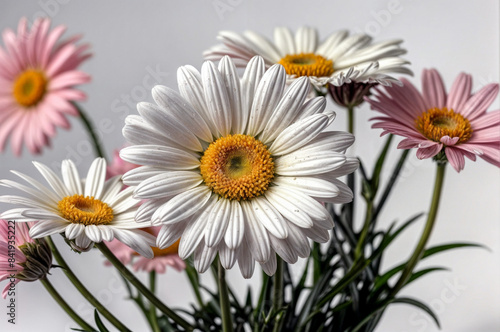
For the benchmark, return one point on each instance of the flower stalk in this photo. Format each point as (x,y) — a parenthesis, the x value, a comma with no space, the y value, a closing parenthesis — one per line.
(429,225)
(141,288)
(225,307)
(90,130)
(65,306)
(82,289)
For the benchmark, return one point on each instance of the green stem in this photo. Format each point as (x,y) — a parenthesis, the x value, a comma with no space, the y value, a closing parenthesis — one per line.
(278,286)
(81,288)
(193,280)
(141,288)
(431,218)
(225,308)
(350,119)
(278,292)
(152,308)
(90,130)
(358,253)
(64,305)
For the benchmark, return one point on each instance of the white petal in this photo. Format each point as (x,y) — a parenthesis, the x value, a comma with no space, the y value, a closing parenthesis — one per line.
(47,227)
(227,257)
(317,234)
(270,218)
(345,195)
(329,46)
(232,82)
(15,214)
(269,267)
(287,109)
(255,234)
(191,89)
(38,186)
(284,41)
(308,164)
(161,156)
(167,184)
(169,234)
(138,240)
(106,232)
(267,97)
(217,222)
(309,185)
(166,123)
(283,249)
(74,230)
(286,208)
(148,208)
(245,261)
(298,241)
(93,233)
(183,205)
(71,177)
(262,46)
(217,98)
(111,188)
(306,40)
(236,226)
(139,174)
(203,257)
(55,183)
(303,202)
(96,177)
(193,233)
(33,194)
(123,201)
(299,134)
(83,242)
(251,78)
(312,106)
(138,132)
(42,214)
(337,141)
(176,105)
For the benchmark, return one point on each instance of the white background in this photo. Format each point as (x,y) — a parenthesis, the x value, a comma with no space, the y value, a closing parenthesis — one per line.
(131,39)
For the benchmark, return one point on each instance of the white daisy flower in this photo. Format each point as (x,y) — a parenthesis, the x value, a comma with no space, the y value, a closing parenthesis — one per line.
(86,211)
(339,59)
(237,166)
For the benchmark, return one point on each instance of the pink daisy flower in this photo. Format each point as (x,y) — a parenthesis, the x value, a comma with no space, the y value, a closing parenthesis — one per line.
(21,257)
(37,78)
(434,121)
(162,257)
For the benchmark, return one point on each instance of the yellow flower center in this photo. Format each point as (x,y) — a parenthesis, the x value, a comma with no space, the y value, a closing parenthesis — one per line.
(173,249)
(30,87)
(439,122)
(237,167)
(85,210)
(307,64)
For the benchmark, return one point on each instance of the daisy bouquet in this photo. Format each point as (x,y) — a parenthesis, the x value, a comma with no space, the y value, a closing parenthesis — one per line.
(242,164)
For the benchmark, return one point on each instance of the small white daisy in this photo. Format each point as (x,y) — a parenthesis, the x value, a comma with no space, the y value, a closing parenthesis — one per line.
(237,166)
(86,211)
(339,59)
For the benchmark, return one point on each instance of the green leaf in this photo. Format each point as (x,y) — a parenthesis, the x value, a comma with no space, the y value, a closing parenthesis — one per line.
(98,321)
(419,305)
(423,272)
(443,247)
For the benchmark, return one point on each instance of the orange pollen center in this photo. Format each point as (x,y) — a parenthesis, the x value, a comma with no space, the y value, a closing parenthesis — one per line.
(439,122)
(30,87)
(85,210)
(237,167)
(307,64)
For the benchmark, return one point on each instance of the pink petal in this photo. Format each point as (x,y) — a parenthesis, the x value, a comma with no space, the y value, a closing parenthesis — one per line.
(68,79)
(455,158)
(429,152)
(447,140)
(47,48)
(479,102)
(486,120)
(433,89)
(59,59)
(459,92)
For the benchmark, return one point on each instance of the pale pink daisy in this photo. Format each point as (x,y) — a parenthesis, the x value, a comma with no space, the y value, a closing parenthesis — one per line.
(162,257)
(21,257)
(38,74)
(433,121)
